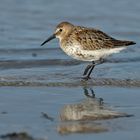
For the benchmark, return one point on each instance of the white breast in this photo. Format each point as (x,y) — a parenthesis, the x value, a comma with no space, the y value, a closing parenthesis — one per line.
(73,51)
(89,55)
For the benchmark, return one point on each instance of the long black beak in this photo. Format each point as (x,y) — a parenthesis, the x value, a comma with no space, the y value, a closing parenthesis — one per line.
(50,38)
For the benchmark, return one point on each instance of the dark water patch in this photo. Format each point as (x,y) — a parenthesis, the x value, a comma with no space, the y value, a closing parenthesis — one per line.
(16,50)
(123,60)
(16,64)
(17,136)
(79,83)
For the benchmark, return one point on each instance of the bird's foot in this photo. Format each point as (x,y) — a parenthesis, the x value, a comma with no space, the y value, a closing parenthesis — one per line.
(86,78)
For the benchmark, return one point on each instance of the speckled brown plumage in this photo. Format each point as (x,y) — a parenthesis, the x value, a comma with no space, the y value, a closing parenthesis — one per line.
(93,39)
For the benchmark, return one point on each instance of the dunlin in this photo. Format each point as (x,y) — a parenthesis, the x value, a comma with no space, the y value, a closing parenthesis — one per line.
(87,44)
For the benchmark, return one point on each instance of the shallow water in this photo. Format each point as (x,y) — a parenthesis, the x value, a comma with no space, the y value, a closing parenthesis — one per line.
(22,107)
(44,71)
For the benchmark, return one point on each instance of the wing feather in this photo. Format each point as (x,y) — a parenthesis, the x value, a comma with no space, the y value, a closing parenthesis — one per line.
(92,39)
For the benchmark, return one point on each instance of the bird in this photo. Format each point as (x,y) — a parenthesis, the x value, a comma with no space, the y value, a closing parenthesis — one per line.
(87,44)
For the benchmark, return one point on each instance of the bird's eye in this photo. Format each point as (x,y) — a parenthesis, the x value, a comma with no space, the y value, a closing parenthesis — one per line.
(60,30)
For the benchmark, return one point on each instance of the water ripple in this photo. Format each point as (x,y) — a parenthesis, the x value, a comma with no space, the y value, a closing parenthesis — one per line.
(6,81)
(18,64)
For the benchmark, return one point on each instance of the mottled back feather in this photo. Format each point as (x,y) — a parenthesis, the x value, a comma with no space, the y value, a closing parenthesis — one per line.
(93,39)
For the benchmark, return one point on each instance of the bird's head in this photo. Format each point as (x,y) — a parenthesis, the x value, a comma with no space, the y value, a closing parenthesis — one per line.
(61,31)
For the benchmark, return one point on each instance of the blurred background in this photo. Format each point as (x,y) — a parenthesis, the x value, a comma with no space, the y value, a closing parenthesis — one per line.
(25,23)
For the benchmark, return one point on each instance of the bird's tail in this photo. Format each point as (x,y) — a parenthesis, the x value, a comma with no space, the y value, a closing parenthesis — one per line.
(123,43)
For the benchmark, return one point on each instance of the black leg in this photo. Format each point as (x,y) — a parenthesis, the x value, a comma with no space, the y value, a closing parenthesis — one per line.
(90,68)
(93,65)
(87,69)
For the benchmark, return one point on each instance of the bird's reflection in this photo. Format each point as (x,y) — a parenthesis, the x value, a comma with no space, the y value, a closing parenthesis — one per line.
(82,116)
(90,93)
